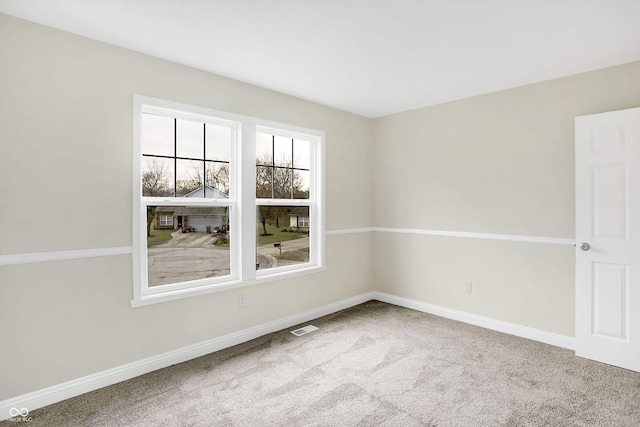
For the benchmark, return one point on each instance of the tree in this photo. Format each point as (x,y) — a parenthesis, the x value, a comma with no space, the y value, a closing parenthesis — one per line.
(276,181)
(155,183)
(217,176)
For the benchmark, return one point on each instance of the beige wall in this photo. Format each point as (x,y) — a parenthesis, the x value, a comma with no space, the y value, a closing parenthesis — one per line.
(65,168)
(498,163)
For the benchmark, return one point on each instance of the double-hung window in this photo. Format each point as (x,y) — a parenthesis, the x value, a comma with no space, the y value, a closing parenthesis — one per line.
(215,196)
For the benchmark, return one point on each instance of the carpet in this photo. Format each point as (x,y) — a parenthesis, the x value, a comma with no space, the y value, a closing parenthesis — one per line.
(375,364)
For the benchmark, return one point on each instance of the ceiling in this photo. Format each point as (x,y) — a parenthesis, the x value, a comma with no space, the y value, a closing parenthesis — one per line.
(369,57)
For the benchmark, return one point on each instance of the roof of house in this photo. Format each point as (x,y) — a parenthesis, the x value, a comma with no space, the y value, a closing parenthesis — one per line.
(212,193)
(300,211)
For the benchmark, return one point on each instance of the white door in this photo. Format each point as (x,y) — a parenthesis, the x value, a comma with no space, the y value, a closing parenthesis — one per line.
(608,237)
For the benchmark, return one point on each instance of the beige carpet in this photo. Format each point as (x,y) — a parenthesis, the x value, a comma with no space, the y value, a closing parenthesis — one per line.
(374,364)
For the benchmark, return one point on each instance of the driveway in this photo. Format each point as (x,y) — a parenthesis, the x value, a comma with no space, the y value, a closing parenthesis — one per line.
(188,240)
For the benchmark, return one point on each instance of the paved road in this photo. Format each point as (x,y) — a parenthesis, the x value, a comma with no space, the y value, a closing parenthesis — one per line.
(171,265)
(192,256)
(272,252)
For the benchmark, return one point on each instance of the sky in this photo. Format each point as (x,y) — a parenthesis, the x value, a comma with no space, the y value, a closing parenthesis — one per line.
(158,139)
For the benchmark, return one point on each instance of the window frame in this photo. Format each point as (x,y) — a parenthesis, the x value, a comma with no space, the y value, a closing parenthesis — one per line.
(242,203)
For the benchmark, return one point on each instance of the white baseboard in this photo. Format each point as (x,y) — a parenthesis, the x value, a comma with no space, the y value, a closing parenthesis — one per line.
(73,388)
(485,322)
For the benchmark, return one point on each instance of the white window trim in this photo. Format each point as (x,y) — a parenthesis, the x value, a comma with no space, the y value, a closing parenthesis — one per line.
(242,203)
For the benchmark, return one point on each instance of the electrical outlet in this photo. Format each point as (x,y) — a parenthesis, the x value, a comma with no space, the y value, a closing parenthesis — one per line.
(467,287)
(242,300)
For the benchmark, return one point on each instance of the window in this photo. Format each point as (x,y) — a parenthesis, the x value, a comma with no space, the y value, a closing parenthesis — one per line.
(166,220)
(215,197)
(282,179)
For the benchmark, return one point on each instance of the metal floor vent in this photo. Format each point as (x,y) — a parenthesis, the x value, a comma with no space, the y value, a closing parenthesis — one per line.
(304,330)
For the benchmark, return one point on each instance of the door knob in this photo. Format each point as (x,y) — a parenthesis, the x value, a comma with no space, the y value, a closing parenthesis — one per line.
(585,246)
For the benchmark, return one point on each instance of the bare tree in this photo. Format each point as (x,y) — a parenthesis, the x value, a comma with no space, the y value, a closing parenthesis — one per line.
(187,185)
(264,213)
(155,183)
(217,176)
(277,181)
(155,180)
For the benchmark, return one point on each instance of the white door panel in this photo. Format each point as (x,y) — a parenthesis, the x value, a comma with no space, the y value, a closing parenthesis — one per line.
(608,220)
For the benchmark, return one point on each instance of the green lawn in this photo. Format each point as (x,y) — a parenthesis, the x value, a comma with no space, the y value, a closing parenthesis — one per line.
(276,235)
(158,236)
(222,241)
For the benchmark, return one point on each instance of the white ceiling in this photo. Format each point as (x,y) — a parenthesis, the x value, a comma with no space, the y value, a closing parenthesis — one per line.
(370,57)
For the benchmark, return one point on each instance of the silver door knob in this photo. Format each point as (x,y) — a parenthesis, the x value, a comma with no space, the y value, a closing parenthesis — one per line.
(585,246)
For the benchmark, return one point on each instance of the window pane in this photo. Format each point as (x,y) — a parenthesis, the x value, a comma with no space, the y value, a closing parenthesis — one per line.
(288,177)
(217,180)
(157,177)
(282,151)
(264,181)
(264,148)
(190,137)
(218,142)
(282,236)
(186,243)
(189,178)
(301,154)
(301,184)
(156,135)
(282,183)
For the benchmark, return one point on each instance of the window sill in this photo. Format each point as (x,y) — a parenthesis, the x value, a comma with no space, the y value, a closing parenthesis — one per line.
(222,287)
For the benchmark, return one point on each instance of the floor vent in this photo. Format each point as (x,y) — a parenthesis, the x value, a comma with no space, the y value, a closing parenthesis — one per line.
(304,330)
